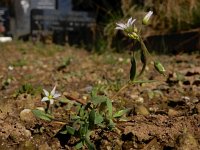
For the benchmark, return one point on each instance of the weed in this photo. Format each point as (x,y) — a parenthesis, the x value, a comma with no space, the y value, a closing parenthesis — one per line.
(19,63)
(6,82)
(98,112)
(65,62)
(27,88)
(85,119)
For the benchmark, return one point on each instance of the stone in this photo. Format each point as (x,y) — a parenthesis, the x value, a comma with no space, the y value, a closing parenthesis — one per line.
(26,115)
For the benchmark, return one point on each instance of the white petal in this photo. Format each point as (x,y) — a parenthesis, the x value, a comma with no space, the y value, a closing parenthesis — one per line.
(129,21)
(56,95)
(133,21)
(46,92)
(148,15)
(45,99)
(53,91)
(119,28)
(51,101)
(121,25)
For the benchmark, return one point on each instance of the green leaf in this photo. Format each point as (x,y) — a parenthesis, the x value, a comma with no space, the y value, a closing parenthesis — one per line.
(84,129)
(82,111)
(70,130)
(111,124)
(93,92)
(98,99)
(133,68)
(144,57)
(92,117)
(89,144)
(63,132)
(98,119)
(75,117)
(120,113)
(67,101)
(79,145)
(109,106)
(42,115)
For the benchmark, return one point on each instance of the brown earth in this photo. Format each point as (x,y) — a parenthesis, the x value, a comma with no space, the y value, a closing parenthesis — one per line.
(164,114)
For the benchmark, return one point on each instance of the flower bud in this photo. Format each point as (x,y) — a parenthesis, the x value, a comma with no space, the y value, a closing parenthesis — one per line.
(135,29)
(159,67)
(133,35)
(145,20)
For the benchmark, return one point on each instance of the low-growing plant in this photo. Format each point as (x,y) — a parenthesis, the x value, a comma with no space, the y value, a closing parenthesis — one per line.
(19,63)
(64,63)
(27,88)
(6,82)
(85,119)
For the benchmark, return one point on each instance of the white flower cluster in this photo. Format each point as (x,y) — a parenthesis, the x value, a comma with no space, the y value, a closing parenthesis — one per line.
(129,27)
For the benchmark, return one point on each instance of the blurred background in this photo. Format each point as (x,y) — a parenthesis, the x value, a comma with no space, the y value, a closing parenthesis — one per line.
(91,24)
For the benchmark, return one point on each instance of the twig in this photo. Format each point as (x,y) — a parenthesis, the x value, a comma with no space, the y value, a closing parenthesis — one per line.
(150,144)
(120,90)
(75,99)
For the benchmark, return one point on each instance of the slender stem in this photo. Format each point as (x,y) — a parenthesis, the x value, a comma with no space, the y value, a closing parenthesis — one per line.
(145,53)
(120,90)
(143,46)
(147,56)
(145,50)
(47,108)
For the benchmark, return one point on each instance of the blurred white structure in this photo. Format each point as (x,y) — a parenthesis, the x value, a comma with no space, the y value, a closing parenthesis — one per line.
(5,39)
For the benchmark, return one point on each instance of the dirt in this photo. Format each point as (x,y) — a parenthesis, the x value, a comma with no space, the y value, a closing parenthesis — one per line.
(164,114)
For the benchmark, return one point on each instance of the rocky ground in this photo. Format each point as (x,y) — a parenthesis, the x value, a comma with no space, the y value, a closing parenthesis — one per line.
(164,114)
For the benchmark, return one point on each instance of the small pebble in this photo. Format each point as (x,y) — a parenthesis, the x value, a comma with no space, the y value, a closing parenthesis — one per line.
(141,110)
(27,115)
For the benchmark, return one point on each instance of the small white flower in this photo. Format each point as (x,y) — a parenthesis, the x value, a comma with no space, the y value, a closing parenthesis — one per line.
(147,17)
(10,67)
(127,27)
(50,96)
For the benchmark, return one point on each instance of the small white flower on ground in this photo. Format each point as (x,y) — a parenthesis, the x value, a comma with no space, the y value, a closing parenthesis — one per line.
(127,27)
(147,17)
(50,96)
(10,67)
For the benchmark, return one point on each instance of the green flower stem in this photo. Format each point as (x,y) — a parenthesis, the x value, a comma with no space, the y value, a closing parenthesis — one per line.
(120,90)
(145,53)
(49,108)
(145,61)
(143,46)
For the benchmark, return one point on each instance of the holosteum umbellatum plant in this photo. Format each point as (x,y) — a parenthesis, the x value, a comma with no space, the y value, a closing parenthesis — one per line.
(129,28)
(84,119)
(98,111)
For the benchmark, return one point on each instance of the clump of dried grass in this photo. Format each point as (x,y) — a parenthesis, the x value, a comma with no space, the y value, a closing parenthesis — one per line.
(169,15)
